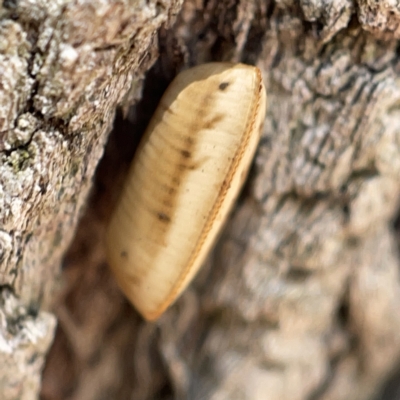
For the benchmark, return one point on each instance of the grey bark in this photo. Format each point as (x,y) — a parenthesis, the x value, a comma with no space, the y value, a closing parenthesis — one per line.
(299,299)
(64,67)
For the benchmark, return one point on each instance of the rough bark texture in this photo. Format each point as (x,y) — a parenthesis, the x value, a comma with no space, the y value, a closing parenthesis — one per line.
(64,67)
(300,298)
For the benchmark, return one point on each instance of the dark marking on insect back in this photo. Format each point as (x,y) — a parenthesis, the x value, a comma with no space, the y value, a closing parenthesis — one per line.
(185,166)
(171,191)
(185,153)
(176,181)
(182,160)
(212,122)
(163,217)
(222,86)
(124,254)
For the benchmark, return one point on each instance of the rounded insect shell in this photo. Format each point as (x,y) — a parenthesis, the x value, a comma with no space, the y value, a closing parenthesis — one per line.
(185,176)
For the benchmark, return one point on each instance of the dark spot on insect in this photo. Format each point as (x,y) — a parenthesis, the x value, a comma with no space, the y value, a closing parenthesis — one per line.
(210,124)
(185,153)
(124,254)
(171,191)
(223,85)
(163,217)
(176,180)
(183,167)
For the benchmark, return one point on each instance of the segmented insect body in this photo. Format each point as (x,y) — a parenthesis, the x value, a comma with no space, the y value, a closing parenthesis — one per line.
(188,170)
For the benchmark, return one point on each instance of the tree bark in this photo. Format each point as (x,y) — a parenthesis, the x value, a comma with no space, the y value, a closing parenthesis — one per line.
(64,67)
(300,297)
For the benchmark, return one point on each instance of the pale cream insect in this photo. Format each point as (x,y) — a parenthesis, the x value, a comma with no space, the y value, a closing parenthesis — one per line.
(188,170)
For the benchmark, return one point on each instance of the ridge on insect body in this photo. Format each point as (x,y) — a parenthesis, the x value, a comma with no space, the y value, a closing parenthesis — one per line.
(183,181)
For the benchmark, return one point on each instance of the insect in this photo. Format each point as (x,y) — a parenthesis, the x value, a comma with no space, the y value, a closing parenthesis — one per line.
(185,176)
